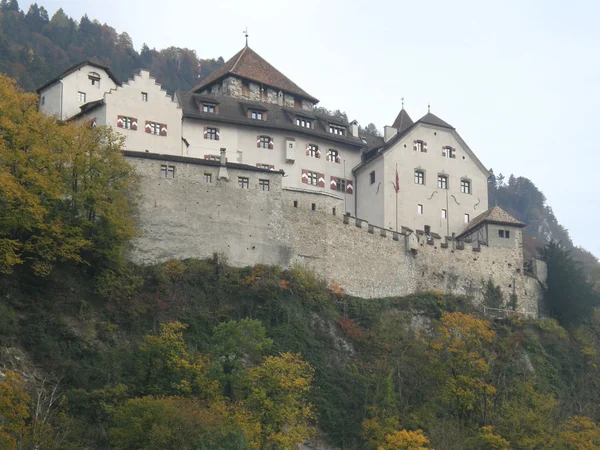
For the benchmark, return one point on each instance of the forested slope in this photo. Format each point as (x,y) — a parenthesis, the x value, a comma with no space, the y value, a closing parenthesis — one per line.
(35,48)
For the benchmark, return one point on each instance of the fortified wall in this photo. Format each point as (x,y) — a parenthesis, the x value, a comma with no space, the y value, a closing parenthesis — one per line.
(196,214)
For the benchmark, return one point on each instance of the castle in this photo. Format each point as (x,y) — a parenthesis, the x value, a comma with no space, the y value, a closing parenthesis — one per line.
(244,165)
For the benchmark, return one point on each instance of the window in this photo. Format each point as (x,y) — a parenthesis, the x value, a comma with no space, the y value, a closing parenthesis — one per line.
(442,182)
(302,122)
(154,128)
(295,203)
(312,151)
(465,186)
(264,141)
(448,152)
(333,155)
(167,171)
(256,115)
(419,209)
(372,177)
(208,178)
(243,182)
(420,146)
(312,178)
(505,234)
(127,122)
(263,166)
(336,129)
(81,97)
(208,108)
(43,102)
(144,96)
(419,177)
(313,206)
(211,133)
(427,230)
(467,218)
(444,214)
(340,185)
(94,79)
(212,157)
(263,185)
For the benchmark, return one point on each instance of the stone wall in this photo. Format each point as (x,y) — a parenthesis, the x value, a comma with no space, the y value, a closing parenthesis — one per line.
(186,217)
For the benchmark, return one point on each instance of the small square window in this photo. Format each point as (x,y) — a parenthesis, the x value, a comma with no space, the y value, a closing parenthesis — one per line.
(465,186)
(442,182)
(372,176)
(263,185)
(507,234)
(444,214)
(419,209)
(256,115)
(419,146)
(208,108)
(208,178)
(81,97)
(144,96)
(501,233)
(167,171)
(467,218)
(243,182)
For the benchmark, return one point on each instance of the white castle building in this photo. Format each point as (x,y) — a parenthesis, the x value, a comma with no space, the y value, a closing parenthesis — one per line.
(420,180)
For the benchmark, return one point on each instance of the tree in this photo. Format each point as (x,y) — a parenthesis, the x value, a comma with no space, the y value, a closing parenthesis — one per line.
(65,189)
(14,411)
(579,433)
(568,295)
(486,439)
(276,397)
(405,440)
(370,129)
(492,295)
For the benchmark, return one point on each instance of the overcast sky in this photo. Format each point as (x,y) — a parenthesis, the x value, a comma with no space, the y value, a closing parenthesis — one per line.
(519,80)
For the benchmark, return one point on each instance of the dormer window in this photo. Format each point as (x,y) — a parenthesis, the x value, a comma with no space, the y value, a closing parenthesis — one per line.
(256,115)
(208,108)
(336,129)
(304,123)
(94,79)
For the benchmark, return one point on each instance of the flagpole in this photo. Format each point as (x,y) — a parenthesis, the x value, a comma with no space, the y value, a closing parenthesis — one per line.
(397,189)
(346,190)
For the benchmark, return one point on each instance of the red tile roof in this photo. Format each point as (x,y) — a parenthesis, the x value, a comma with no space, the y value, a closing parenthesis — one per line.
(250,65)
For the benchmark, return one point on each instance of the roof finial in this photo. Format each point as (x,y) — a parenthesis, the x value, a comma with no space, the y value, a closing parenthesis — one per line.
(402,102)
(246,34)
(428,108)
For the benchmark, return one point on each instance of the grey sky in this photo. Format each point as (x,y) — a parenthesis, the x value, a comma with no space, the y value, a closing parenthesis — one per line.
(518,79)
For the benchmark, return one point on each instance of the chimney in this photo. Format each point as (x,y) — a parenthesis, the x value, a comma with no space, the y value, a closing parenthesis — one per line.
(223,169)
(354,128)
(280,98)
(389,133)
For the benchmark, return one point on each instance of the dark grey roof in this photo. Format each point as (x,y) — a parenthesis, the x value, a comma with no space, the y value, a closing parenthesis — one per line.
(198,161)
(493,215)
(250,65)
(86,108)
(432,119)
(95,62)
(373,141)
(233,110)
(402,121)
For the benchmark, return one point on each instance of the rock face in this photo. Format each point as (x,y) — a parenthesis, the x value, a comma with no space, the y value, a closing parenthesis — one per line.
(186,217)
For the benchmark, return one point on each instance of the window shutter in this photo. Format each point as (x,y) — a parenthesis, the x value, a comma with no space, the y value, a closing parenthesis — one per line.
(271,167)
(424,147)
(453,154)
(205,132)
(134,124)
(270,143)
(119,121)
(218,134)
(349,187)
(257,141)
(444,150)
(333,183)
(307,149)
(147,127)
(318,153)
(94,122)
(321,180)
(304,176)
(415,146)
(163,129)
(208,157)
(338,159)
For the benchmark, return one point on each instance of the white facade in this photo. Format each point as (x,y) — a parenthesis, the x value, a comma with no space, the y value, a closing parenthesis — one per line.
(443,210)
(66,95)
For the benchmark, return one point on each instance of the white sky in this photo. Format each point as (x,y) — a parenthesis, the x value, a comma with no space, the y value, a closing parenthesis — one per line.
(518,79)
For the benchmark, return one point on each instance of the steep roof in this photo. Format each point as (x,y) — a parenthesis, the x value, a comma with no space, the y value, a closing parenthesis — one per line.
(235,111)
(402,121)
(494,215)
(94,62)
(250,65)
(432,119)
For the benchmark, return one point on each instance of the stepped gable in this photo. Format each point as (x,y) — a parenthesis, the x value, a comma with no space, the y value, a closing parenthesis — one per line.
(94,62)
(250,65)
(495,215)
(403,121)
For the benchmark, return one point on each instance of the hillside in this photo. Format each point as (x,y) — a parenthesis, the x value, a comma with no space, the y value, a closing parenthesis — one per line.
(35,48)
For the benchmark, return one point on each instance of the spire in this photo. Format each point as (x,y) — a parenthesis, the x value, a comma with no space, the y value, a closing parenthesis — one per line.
(246,34)
(403,120)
